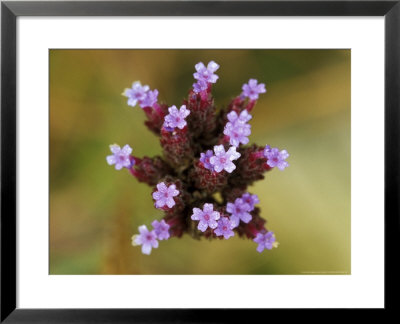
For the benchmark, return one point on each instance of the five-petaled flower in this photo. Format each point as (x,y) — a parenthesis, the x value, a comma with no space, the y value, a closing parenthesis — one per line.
(164,196)
(237,133)
(136,94)
(206,74)
(176,118)
(265,241)
(252,89)
(223,160)
(120,157)
(225,227)
(161,229)
(276,158)
(147,239)
(239,211)
(206,217)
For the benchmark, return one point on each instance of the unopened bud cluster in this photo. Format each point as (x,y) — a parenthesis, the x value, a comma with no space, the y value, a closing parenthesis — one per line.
(201,181)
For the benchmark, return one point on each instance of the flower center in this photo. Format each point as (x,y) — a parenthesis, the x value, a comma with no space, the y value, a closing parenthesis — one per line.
(225,228)
(222,160)
(149,237)
(207,217)
(166,195)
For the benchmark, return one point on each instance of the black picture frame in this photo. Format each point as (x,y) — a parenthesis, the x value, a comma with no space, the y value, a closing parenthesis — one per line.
(10,10)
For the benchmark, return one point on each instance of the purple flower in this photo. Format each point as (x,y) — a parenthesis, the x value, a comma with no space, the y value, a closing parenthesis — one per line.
(121,157)
(206,74)
(237,128)
(206,217)
(205,159)
(276,158)
(200,86)
(252,89)
(136,93)
(239,210)
(165,195)
(265,241)
(150,99)
(266,150)
(147,239)
(161,229)
(250,199)
(225,226)
(176,118)
(244,116)
(237,133)
(223,160)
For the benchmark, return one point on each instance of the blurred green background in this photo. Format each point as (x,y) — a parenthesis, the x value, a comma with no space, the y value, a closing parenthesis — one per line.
(94,209)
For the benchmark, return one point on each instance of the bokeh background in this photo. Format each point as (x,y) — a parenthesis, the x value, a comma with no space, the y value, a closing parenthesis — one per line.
(94,209)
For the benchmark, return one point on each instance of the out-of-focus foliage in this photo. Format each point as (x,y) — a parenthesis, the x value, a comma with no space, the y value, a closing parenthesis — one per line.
(94,210)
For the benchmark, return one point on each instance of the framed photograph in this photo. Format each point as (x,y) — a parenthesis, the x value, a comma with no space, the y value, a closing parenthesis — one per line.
(163,158)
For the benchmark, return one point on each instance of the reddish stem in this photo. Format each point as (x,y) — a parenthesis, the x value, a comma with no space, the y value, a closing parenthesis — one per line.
(250,105)
(158,109)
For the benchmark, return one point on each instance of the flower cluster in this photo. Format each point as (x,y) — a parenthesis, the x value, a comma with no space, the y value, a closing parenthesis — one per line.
(201,181)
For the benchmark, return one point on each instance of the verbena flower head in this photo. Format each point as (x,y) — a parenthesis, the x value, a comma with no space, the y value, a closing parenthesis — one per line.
(276,158)
(206,74)
(225,228)
(265,241)
(147,239)
(161,229)
(205,159)
(176,118)
(200,182)
(223,160)
(164,196)
(120,157)
(252,89)
(240,211)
